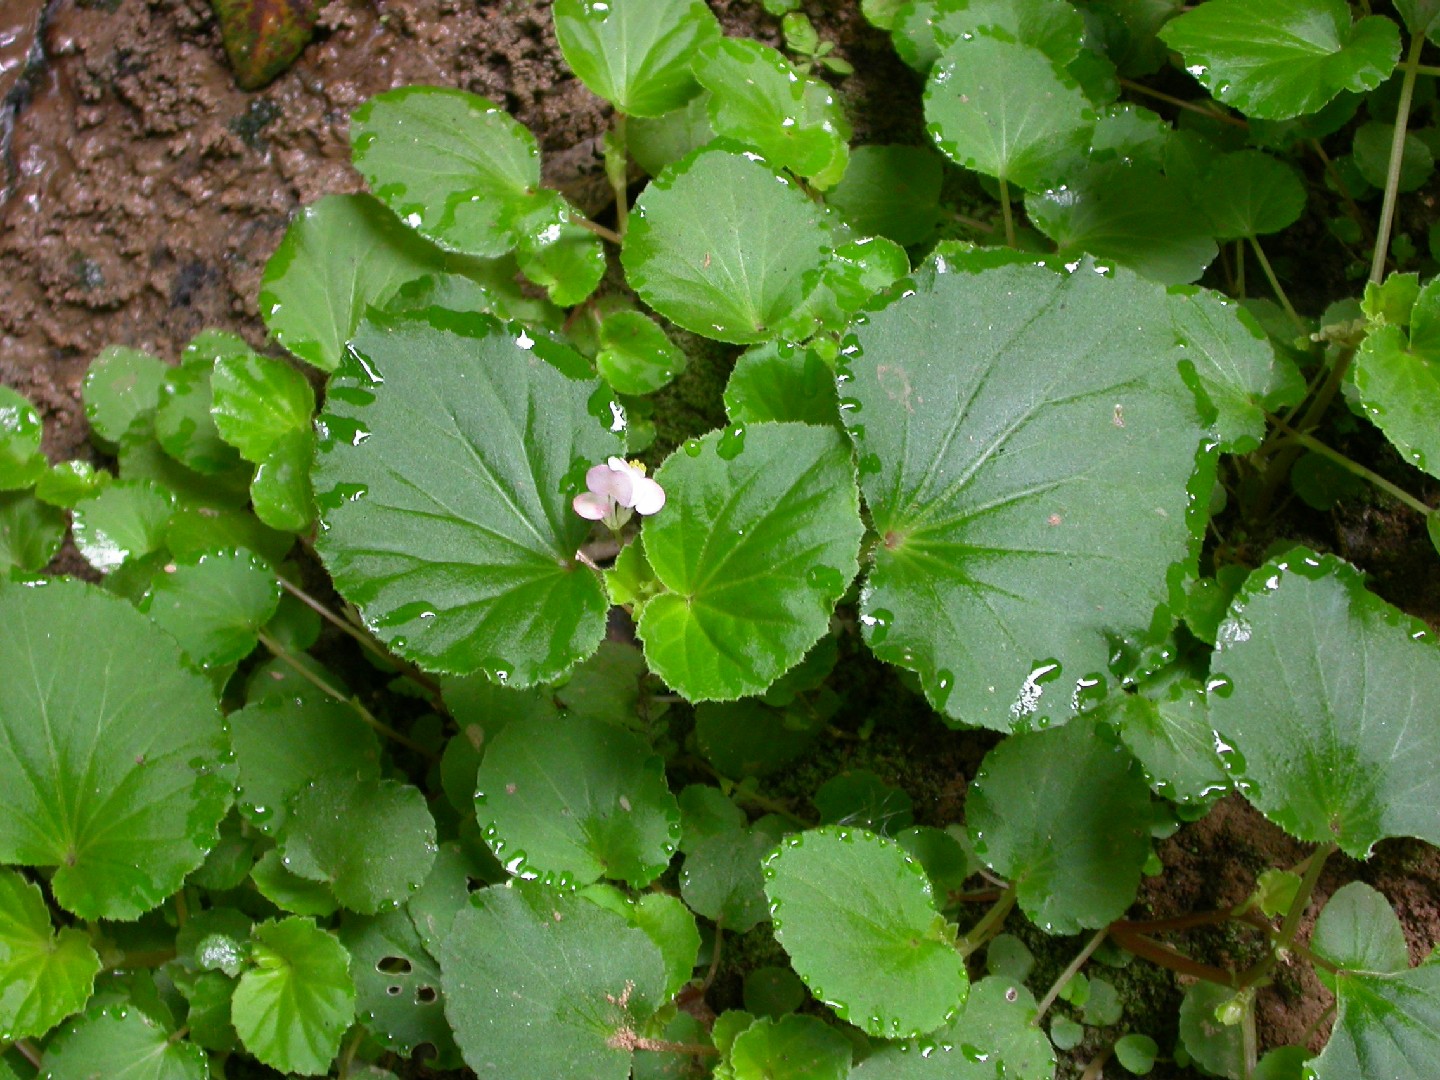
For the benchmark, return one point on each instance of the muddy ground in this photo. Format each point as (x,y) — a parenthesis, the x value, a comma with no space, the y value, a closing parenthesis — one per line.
(143,193)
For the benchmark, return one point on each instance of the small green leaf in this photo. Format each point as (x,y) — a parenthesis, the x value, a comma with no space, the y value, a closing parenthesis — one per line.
(636,54)
(749,738)
(671,926)
(281,488)
(780,382)
(1216,1047)
(214,606)
(66,483)
(1283,58)
(1137,1053)
(591,803)
(184,424)
(30,531)
(891,191)
(758,99)
(723,246)
(121,390)
(125,521)
(523,959)
(456,537)
(293,1006)
(1389,1025)
(1371,154)
(452,165)
(47,976)
(791,1048)
(858,918)
(259,401)
(1358,930)
(111,751)
(1067,806)
(636,355)
(1006,110)
(706,811)
(1320,689)
(1130,133)
(121,1043)
(214,940)
(291,892)
(1167,728)
(371,841)
(721,878)
(1250,193)
(656,143)
(557,254)
(859,797)
(21,462)
(1398,380)
(195,530)
(1421,16)
(397,987)
(758,540)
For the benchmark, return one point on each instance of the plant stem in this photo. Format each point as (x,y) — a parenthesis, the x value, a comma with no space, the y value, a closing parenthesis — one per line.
(1397,155)
(989,923)
(617,175)
(1181,103)
(1262,967)
(1426,69)
(1005,212)
(1068,974)
(1355,468)
(1096,1069)
(1276,287)
(283,655)
(1249,1049)
(599,230)
(1240,269)
(347,1055)
(26,1049)
(714,958)
(1166,957)
(972,223)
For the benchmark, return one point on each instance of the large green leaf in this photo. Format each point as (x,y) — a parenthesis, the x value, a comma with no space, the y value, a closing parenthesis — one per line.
(1026,472)
(1325,696)
(1397,378)
(293,1006)
(1006,110)
(542,983)
(791,1048)
(857,916)
(1389,1025)
(121,1043)
(576,800)
(450,164)
(111,751)
(1283,58)
(757,542)
(722,245)
(46,975)
(449,455)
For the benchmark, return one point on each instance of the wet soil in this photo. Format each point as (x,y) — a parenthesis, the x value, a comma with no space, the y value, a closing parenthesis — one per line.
(142,193)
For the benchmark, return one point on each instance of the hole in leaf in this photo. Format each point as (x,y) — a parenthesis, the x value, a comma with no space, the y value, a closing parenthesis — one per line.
(393,991)
(425,995)
(393,965)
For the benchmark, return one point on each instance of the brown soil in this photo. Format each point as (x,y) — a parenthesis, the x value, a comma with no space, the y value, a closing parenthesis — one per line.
(142,194)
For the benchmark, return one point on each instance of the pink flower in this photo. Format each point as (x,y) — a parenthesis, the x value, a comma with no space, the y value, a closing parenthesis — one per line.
(618,488)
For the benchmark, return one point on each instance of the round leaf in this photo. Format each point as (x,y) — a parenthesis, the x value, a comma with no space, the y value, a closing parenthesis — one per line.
(723,246)
(449,455)
(757,542)
(636,355)
(576,801)
(125,521)
(293,1006)
(1026,473)
(1398,383)
(924,29)
(777,381)
(1324,694)
(891,191)
(397,986)
(1372,157)
(47,976)
(184,424)
(523,959)
(258,401)
(214,606)
(30,532)
(791,1048)
(121,389)
(635,54)
(858,918)
(281,488)
(1250,193)
(1359,931)
(121,1043)
(722,880)
(1389,1025)
(21,462)
(111,751)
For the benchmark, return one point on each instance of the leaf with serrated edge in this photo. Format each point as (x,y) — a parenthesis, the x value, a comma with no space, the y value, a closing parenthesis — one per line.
(758,540)
(1398,381)
(1007,437)
(123,1044)
(258,401)
(450,452)
(857,916)
(791,1048)
(215,606)
(46,976)
(924,29)
(397,986)
(112,751)
(1324,696)
(1389,1026)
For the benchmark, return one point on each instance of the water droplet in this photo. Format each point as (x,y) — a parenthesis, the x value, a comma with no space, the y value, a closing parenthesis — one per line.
(878,623)
(732,442)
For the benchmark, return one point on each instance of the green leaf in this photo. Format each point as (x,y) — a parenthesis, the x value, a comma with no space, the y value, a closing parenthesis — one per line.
(656,143)
(372,841)
(636,54)
(671,926)
(706,811)
(121,1043)
(30,531)
(1250,193)
(636,355)
(1371,154)
(1006,110)
(1283,58)
(1136,1053)
(723,246)
(46,975)
(1125,30)
(397,987)
(214,606)
(721,878)
(1398,381)
(1065,815)
(21,462)
(340,256)
(791,1048)
(1129,214)
(780,382)
(183,422)
(1239,374)
(293,1006)
(891,191)
(758,540)
(575,802)
(773,991)
(452,165)
(111,751)
(289,891)
(1358,930)
(1321,689)
(1168,731)
(281,488)
(121,390)
(556,253)
(125,521)
(258,402)
(67,482)
(1217,1048)
(452,530)
(859,797)
(749,738)
(1130,133)
(925,29)
(993,1036)
(214,940)
(1006,438)
(1389,1025)
(523,959)
(193,531)
(858,918)
(1421,16)
(758,99)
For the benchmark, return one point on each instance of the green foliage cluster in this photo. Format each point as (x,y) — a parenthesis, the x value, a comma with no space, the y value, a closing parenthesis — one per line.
(979,441)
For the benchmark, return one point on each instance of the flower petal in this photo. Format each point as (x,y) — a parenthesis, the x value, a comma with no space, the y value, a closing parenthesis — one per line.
(649,496)
(592,507)
(611,483)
